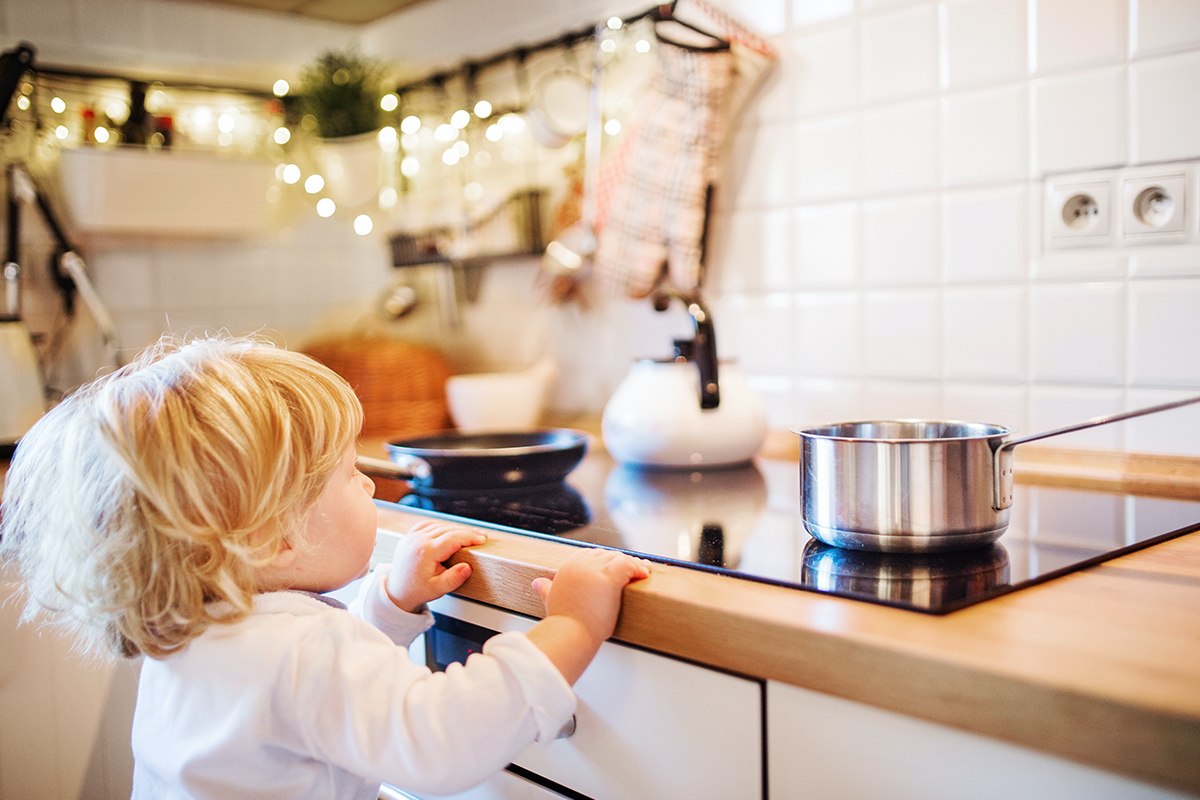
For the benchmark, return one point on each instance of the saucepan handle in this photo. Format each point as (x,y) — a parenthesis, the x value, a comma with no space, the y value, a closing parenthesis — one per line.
(1002,470)
(403,467)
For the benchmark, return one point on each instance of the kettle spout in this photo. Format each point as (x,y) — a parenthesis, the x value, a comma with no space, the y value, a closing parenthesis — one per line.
(702,346)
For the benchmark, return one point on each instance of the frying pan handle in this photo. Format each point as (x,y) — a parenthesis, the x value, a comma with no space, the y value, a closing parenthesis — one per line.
(402,467)
(1002,471)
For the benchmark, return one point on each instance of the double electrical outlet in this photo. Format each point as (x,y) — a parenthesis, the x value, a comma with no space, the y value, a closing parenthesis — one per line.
(1137,205)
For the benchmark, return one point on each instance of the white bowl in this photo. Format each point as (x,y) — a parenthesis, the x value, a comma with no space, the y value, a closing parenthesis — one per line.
(495,401)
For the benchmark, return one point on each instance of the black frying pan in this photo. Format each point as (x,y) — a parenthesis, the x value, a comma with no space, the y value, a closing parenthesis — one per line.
(456,462)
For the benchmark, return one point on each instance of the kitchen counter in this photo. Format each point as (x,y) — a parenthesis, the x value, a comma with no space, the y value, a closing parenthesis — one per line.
(1101,666)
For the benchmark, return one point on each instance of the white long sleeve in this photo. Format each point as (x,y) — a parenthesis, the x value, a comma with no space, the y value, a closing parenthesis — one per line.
(302,700)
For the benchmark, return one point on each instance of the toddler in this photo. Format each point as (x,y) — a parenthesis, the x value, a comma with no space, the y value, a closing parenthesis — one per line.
(194,507)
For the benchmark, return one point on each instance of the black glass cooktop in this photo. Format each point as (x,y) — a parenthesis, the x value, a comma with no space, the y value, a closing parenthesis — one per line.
(744,521)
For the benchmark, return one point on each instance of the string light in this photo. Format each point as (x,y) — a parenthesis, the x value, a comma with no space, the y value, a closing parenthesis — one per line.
(282,135)
(326,207)
(281,88)
(461,118)
(483,109)
(389,102)
(410,124)
(58,105)
(363,224)
(314,184)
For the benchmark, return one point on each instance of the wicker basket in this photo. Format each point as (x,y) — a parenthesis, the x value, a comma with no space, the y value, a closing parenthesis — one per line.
(402,386)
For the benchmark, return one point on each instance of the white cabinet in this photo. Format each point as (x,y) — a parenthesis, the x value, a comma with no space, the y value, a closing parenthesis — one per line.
(647,726)
(831,748)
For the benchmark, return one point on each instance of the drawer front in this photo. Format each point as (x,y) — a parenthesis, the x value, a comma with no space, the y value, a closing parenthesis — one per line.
(647,726)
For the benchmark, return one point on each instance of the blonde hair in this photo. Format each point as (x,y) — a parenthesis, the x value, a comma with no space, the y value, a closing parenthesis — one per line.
(158,489)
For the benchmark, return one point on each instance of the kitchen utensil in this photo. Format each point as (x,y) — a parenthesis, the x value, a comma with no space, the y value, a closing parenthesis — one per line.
(572,249)
(915,485)
(925,580)
(499,401)
(679,412)
(561,108)
(453,462)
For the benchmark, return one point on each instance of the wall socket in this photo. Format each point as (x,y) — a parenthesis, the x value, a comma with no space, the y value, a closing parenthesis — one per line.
(1154,205)
(1131,206)
(1079,211)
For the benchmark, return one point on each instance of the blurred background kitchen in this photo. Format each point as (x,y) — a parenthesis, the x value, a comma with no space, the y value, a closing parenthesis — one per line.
(880,242)
(972,209)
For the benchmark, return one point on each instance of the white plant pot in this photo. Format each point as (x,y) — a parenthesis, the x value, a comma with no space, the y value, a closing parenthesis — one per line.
(352,167)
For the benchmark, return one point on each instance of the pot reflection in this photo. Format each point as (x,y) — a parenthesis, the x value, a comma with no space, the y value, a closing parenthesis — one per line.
(701,517)
(929,580)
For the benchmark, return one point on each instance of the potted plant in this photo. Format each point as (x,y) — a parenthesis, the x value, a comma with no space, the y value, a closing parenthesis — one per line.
(341,90)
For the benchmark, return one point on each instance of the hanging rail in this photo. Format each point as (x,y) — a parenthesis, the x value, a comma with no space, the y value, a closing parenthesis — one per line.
(470,69)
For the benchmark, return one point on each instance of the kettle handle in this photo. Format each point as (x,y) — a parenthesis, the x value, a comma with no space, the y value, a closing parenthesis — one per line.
(703,349)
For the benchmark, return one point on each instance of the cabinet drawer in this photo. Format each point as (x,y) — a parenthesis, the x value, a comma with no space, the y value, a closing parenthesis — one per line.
(647,726)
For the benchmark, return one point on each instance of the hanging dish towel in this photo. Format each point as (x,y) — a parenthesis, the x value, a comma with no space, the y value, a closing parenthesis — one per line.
(655,189)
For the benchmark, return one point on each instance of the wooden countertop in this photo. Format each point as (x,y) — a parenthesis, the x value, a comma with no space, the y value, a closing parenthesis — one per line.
(1101,666)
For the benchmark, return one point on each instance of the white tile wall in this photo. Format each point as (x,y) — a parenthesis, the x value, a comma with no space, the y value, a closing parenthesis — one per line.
(827,68)
(986,136)
(827,163)
(901,240)
(1164,324)
(900,54)
(1162,25)
(1072,33)
(985,236)
(985,334)
(1078,333)
(1079,121)
(1167,127)
(877,247)
(901,147)
(902,334)
(985,41)
(825,238)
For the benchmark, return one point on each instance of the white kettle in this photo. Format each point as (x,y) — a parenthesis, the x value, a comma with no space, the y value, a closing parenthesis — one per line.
(688,411)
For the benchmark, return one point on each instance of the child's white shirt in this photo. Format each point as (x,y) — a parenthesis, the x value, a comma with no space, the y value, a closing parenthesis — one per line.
(304,700)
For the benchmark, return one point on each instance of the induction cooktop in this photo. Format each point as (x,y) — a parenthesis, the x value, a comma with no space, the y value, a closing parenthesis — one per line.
(744,521)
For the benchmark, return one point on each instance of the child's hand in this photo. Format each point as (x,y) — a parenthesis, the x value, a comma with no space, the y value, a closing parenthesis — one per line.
(417,574)
(588,588)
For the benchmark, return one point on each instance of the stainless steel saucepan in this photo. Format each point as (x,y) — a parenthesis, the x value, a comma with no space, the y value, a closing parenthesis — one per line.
(914,486)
